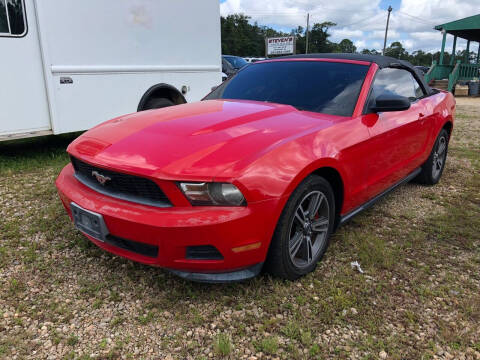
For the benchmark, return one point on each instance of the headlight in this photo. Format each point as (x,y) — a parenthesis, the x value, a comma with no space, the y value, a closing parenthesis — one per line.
(220,194)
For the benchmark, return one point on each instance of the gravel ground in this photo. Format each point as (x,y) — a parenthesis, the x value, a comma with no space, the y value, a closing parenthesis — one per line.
(63,298)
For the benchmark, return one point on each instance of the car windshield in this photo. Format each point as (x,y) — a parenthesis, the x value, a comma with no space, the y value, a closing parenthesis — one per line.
(319,86)
(236,61)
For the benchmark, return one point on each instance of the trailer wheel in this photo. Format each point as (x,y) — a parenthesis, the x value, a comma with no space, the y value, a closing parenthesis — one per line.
(159,96)
(157,103)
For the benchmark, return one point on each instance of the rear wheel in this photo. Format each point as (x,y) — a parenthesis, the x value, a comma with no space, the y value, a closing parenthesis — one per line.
(433,168)
(303,230)
(157,103)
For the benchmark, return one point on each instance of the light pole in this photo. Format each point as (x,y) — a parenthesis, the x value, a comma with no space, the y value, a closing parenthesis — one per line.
(386,30)
(306,35)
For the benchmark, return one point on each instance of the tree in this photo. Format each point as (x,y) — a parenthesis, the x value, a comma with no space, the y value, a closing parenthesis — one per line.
(346,46)
(299,34)
(370,52)
(318,38)
(396,50)
(241,38)
(419,57)
(462,55)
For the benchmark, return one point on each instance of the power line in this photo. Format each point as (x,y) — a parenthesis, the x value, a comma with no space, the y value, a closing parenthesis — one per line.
(273,13)
(363,20)
(416,18)
(295,11)
(368,19)
(269,12)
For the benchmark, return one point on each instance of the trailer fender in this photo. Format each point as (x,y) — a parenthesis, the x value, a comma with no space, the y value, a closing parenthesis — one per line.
(161,94)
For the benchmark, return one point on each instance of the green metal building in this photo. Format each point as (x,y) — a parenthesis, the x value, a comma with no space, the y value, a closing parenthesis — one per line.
(458,69)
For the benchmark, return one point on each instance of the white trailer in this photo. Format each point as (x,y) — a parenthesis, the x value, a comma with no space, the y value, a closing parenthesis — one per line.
(67,65)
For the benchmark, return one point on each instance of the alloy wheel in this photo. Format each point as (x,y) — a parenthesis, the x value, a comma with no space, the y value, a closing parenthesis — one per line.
(309,229)
(439,156)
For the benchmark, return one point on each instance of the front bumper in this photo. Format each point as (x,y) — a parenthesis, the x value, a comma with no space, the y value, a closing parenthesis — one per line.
(174,229)
(233,276)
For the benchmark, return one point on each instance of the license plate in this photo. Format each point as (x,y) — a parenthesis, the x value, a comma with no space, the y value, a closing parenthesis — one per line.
(89,222)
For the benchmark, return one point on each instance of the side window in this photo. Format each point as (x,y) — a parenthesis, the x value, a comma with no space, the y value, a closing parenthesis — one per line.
(3,18)
(394,82)
(418,89)
(12,18)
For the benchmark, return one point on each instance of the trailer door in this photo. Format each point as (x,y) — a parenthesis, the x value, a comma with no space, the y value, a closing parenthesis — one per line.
(23,99)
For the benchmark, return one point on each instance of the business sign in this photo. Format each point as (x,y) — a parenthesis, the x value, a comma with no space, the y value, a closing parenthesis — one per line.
(280,45)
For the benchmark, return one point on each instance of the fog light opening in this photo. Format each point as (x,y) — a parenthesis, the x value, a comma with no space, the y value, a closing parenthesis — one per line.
(203,252)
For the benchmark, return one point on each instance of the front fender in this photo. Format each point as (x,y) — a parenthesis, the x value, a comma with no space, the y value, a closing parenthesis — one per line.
(330,163)
(277,173)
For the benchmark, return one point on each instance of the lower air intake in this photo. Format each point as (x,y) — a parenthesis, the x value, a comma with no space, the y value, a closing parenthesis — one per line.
(203,252)
(133,246)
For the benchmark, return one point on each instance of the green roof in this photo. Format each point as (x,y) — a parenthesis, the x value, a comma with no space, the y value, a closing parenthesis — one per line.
(467,28)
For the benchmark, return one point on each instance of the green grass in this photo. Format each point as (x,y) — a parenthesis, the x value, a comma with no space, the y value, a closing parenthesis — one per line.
(223,345)
(372,250)
(145,319)
(72,340)
(117,321)
(34,153)
(269,345)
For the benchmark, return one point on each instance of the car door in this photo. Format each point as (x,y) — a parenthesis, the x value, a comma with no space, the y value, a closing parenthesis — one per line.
(398,138)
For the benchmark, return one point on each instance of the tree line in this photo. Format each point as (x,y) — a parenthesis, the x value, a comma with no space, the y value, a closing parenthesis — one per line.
(241,38)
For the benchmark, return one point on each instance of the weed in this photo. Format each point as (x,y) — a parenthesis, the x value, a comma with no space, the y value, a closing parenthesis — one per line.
(222,345)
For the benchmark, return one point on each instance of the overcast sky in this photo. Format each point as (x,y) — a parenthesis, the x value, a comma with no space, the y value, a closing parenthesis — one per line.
(363,21)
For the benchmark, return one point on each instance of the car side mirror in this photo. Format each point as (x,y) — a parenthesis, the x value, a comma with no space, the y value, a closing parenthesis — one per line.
(390,102)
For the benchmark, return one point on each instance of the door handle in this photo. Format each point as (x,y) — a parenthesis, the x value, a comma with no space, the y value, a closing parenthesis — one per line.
(66,80)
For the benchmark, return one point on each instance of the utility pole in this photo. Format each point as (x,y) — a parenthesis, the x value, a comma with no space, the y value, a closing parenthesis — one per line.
(306,36)
(386,30)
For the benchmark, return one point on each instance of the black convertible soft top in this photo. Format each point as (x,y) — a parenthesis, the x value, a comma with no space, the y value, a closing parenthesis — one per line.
(381,61)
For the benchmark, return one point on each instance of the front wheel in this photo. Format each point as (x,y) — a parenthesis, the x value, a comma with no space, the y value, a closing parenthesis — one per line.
(433,168)
(303,230)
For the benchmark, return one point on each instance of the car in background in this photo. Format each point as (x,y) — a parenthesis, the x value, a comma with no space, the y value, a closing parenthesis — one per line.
(231,64)
(261,172)
(254,59)
(423,69)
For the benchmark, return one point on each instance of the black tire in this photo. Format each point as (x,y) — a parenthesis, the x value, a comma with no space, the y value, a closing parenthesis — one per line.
(432,169)
(157,103)
(280,262)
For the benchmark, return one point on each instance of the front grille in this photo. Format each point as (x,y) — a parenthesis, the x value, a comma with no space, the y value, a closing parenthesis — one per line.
(203,252)
(133,246)
(123,186)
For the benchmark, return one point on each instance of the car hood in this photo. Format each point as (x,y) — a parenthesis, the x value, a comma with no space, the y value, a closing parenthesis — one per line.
(196,141)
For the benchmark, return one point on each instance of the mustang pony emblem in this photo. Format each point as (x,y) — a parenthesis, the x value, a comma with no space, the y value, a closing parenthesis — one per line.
(102,179)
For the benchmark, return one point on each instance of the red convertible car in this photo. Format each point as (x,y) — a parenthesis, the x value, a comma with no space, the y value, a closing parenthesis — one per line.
(262,171)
